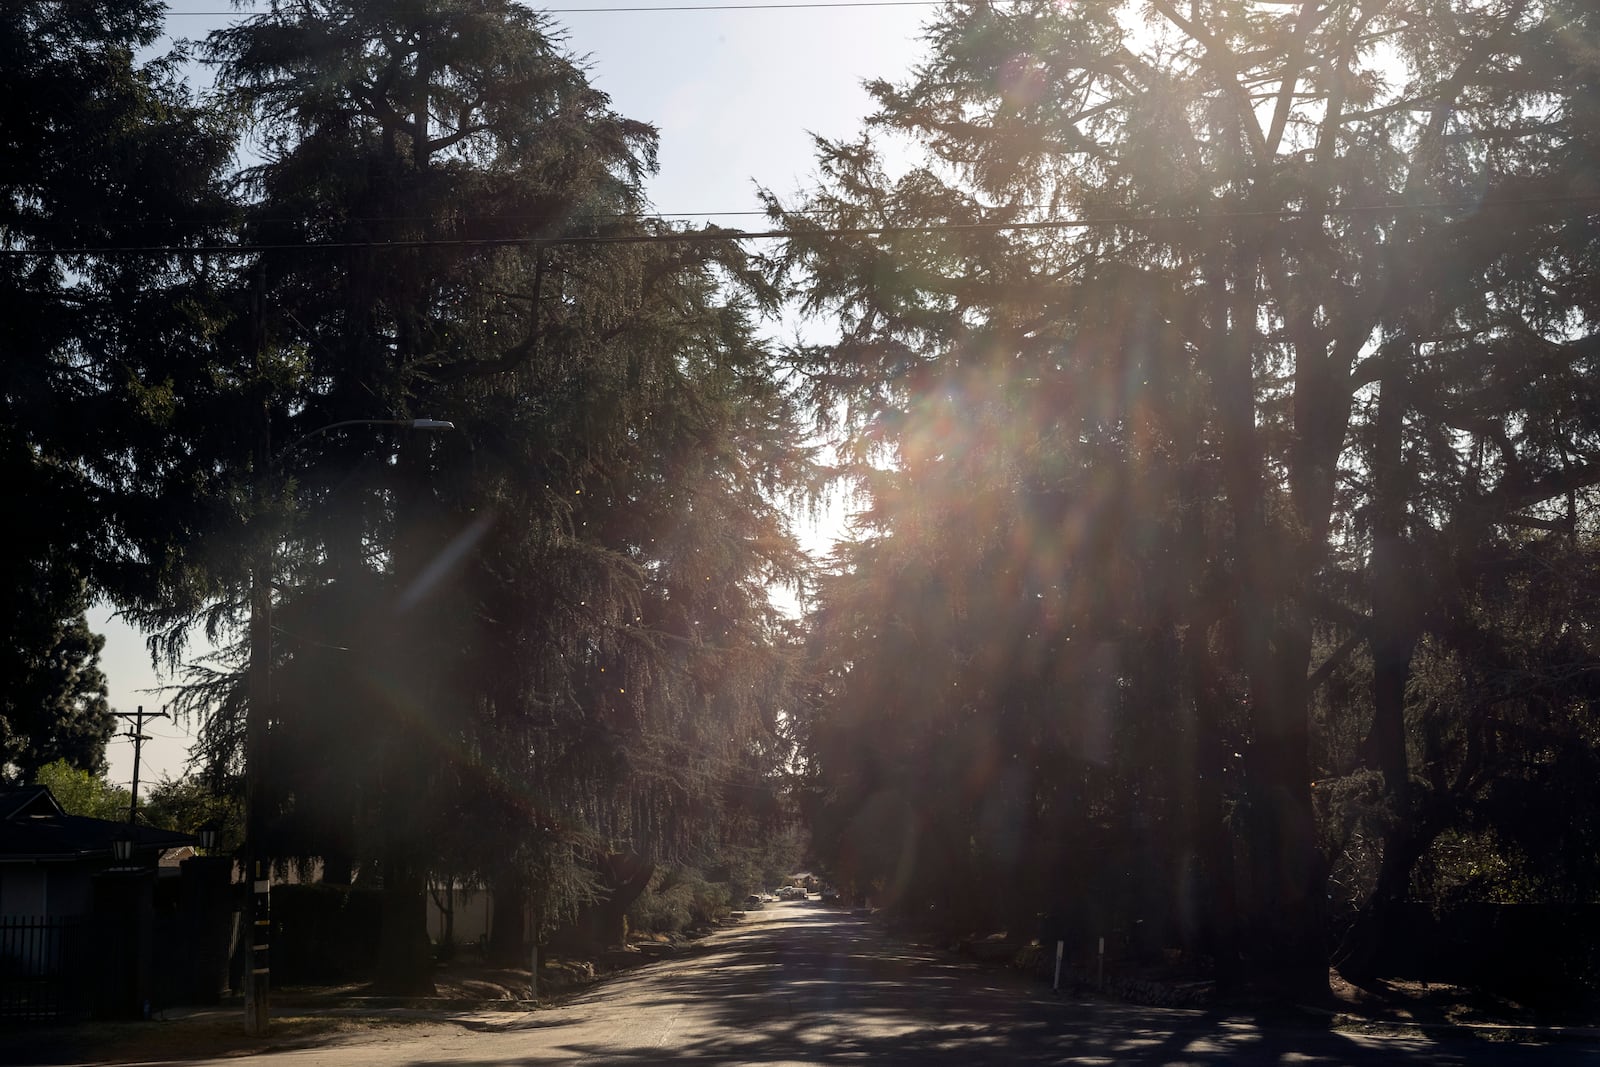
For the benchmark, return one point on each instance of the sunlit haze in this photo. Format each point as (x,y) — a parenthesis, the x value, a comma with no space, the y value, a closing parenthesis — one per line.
(736,95)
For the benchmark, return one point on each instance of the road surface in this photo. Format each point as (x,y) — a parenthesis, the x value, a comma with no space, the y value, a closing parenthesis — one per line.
(798,983)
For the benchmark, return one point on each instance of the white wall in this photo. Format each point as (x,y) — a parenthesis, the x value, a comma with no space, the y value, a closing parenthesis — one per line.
(474,910)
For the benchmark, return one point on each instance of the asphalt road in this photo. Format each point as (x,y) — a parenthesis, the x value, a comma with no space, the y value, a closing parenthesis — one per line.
(798,983)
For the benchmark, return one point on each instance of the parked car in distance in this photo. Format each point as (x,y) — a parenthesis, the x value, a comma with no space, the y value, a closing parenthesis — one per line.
(753,902)
(788,892)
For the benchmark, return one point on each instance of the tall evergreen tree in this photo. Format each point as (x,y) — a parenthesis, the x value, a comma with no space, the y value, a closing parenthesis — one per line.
(54,707)
(108,167)
(1317,217)
(552,621)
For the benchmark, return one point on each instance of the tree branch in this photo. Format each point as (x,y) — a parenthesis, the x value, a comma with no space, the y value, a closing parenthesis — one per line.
(1221,61)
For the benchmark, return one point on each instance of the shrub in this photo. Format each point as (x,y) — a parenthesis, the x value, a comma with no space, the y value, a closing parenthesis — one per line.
(677,899)
(324,933)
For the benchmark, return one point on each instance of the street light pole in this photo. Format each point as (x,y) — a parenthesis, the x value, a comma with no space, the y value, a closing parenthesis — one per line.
(258,863)
(258,866)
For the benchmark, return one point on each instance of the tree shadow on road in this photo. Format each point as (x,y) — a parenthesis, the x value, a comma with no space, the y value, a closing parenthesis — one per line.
(832,991)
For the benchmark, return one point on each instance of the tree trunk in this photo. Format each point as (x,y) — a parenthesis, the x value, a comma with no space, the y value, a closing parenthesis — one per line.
(626,876)
(1395,619)
(409,750)
(1218,903)
(1285,910)
(1289,954)
(405,958)
(1403,845)
(508,936)
(337,868)
(445,901)
(1396,626)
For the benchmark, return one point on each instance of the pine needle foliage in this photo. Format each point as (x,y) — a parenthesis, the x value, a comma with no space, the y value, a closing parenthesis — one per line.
(512,650)
(1225,340)
(102,149)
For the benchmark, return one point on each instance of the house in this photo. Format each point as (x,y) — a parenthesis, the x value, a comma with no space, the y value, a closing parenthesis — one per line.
(48,859)
(77,931)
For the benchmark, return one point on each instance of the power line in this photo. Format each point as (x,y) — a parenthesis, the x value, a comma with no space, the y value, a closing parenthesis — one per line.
(604,216)
(684,216)
(663,7)
(137,735)
(703,236)
(379,220)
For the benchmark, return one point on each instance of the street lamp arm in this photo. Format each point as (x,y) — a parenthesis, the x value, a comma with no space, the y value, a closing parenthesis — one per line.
(410,424)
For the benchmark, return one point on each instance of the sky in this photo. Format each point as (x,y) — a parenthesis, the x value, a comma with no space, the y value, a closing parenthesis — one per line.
(736,95)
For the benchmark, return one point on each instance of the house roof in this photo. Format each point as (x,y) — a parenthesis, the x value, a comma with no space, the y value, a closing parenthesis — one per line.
(28,800)
(34,828)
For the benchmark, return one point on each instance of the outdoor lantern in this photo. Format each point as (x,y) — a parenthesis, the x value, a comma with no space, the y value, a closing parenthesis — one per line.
(208,837)
(122,849)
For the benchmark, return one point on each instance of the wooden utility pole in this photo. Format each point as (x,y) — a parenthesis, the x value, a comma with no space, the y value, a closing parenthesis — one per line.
(257,864)
(139,737)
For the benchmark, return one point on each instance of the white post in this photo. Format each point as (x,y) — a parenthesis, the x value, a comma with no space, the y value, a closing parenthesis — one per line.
(1100,967)
(533,975)
(1061,946)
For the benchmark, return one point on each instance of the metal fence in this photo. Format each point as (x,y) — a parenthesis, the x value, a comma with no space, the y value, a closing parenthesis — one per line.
(43,968)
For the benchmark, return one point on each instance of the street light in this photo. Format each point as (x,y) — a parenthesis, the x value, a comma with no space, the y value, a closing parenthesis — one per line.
(257,864)
(410,424)
(122,849)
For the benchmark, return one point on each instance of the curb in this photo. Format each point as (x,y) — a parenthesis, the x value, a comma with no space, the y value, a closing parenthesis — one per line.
(436,1007)
(421,1005)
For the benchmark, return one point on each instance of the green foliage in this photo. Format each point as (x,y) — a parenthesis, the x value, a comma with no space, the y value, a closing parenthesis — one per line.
(190,804)
(325,933)
(563,882)
(81,792)
(710,901)
(677,899)
(102,150)
(663,908)
(54,706)
(507,652)
(1220,384)
(761,860)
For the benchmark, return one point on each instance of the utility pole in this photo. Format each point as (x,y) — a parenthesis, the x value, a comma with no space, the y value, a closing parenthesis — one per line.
(139,738)
(257,864)
(257,857)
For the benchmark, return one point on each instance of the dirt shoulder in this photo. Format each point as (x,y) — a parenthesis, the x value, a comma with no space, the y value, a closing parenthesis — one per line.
(467,992)
(1411,1002)
(1384,1004)
(211,1034)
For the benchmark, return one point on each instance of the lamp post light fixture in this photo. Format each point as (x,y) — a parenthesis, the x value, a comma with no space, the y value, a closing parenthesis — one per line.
(122,850)
(207,836)
(256,861)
